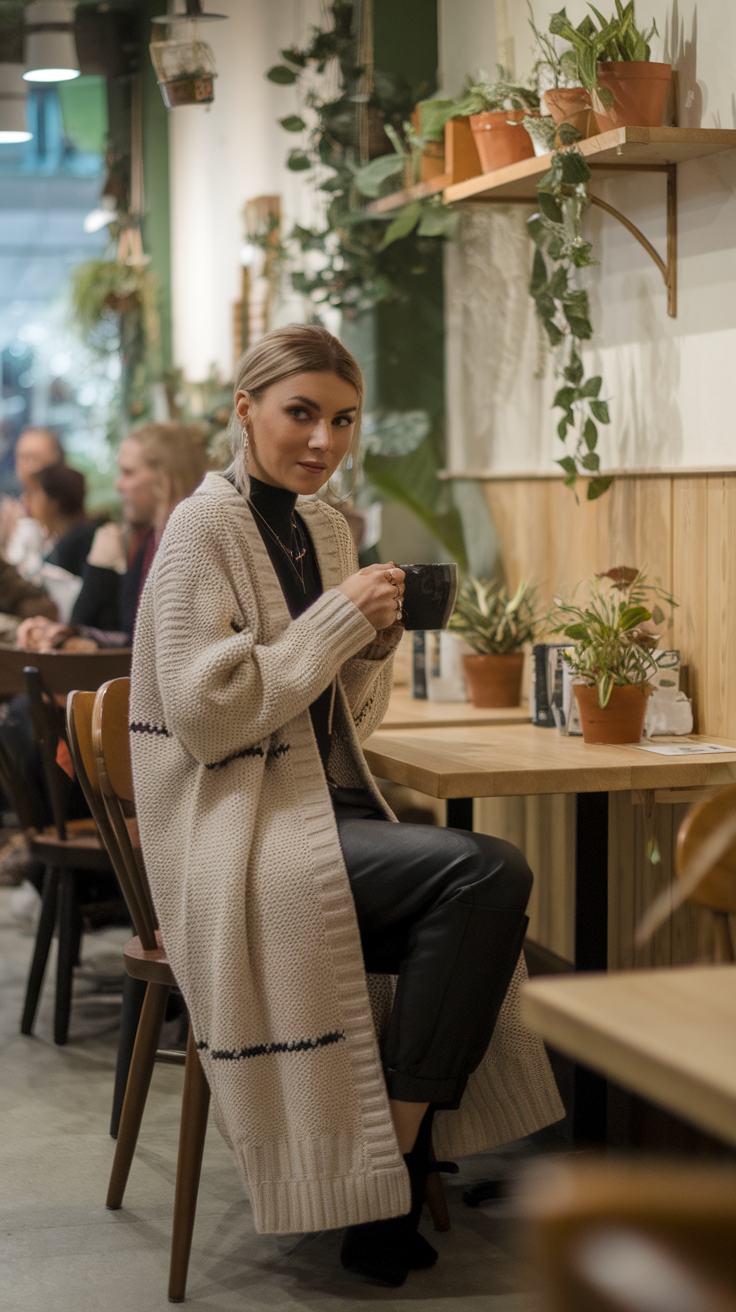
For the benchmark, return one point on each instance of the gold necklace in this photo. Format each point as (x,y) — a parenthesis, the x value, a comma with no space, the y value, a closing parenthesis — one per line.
(293,558)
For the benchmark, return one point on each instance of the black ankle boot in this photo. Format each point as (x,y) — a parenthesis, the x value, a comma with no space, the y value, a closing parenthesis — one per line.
(419,1252)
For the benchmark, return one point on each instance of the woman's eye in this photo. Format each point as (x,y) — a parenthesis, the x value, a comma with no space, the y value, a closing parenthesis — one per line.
(299,412)
(342,421)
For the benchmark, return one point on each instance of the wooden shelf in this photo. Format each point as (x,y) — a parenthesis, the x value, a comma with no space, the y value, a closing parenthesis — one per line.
(625,148)
(405,197)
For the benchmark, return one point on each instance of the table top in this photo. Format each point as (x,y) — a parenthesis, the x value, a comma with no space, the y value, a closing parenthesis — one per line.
(407,712)
(62,671)
(665,1034)
(522,759)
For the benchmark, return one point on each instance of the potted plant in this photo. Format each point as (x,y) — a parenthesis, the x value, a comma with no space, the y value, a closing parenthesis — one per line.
(566,100)
(497,110)
(497,628)
(612,657)
(425,135)
(614,65)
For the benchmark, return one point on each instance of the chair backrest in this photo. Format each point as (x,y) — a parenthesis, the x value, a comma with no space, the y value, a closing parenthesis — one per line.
(707,842)
(79,709)
(48,726)
(111,747)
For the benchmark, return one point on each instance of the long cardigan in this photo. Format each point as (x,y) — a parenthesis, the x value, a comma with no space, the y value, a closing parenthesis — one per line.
(246,870)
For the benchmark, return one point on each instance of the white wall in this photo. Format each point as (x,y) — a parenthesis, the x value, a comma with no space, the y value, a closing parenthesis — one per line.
(669,380)
(222,156)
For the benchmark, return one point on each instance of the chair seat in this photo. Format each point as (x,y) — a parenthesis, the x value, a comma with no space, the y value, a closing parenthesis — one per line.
(151,964)
(81,848)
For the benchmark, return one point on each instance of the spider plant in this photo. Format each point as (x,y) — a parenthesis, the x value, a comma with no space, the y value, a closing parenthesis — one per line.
(614,645)
(491,622)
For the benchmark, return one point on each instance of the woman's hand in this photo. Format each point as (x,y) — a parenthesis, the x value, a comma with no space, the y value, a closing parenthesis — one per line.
(377,591)
(108,549)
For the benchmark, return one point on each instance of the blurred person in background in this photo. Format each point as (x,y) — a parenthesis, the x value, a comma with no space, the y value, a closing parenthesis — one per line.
(23,540)
(159,465)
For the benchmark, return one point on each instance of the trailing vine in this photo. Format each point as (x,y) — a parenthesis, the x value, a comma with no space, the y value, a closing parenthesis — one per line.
(563,308)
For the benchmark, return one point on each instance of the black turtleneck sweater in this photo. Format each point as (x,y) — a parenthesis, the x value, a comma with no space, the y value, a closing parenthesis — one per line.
(274,507)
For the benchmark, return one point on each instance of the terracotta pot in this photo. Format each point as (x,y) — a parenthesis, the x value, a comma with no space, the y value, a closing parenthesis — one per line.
(431,165)
(188,91)
(572,105)
(639,92)
(621,721)
(494,680)
(500,139)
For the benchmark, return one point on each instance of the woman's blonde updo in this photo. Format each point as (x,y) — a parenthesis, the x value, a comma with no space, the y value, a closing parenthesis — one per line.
(297,348)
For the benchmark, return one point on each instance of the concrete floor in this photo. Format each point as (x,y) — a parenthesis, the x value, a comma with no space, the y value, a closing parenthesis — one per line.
(61,1251)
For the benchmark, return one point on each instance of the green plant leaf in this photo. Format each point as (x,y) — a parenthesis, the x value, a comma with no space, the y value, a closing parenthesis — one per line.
(536,230)
(406,219)
(562,430)
(599,411)
(281,75)
(591,386)
(558,283)
(565,396)
(590,434)
(597,486)
(574,168)
(591,460)
(555,334)
(567,133)
(370,178)
(292,123)
(550,207)
(568,464)
(632,616)
(298,161)
(538,279)
(438,221)
(555,247)
(580,328)
(574,370)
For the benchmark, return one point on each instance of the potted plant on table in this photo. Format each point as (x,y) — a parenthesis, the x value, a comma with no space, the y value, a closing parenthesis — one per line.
(614,65)
(497,627)
(566,100)
(612,654)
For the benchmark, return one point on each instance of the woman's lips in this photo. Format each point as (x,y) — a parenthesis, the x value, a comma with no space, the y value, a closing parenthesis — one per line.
(313,469)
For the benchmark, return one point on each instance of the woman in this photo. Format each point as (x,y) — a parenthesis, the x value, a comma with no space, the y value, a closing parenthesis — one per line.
(261,659)
(54,498)
(158,466)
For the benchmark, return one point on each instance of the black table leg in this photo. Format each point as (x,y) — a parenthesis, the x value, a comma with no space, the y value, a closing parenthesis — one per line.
(460,813)
(591,947)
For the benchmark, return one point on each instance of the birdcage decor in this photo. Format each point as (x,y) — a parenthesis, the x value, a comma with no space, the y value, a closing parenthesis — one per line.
(184,64)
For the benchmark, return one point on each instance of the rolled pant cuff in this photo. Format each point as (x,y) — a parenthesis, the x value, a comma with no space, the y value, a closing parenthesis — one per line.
(414,1088)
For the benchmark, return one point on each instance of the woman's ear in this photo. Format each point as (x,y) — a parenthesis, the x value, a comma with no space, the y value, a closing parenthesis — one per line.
(242,406)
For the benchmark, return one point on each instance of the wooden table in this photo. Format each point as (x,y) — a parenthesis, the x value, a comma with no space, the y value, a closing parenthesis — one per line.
(461,763)
(62,671)
(665,1034)
(407,712)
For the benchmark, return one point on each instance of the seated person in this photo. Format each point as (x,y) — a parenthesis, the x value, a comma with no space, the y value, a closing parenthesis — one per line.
(23,540)
(262,658)
(19,598)
(55,498)
(159,465)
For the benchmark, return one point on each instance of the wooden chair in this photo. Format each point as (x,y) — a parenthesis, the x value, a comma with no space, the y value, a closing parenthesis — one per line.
(66,848)
(609,1235)
(706,843)
(145,960)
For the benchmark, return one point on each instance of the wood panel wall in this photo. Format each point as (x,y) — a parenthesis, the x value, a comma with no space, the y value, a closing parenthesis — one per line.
(682,528)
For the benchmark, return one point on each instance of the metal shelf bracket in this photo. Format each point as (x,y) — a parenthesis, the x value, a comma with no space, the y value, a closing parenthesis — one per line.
(668,268)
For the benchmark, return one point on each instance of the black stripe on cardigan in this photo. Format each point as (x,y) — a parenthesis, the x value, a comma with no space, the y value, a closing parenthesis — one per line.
(269,1049)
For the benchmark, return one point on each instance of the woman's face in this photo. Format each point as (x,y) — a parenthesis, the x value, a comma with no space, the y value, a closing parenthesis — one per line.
(299,431)
(40,506)
(137,484)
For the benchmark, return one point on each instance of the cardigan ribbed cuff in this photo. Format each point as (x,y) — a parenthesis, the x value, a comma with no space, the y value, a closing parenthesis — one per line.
(337,622)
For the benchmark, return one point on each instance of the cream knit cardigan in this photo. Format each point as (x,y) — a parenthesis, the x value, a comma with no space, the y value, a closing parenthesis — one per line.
(247,874)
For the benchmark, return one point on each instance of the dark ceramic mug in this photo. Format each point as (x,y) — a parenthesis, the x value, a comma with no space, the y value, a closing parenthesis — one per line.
(429,595)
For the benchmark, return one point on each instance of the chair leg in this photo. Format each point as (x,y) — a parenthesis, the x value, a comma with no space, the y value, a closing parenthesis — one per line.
(436,1201)
(134,991)
(139,1079)
(194,1108)
(67,956)
(44,934)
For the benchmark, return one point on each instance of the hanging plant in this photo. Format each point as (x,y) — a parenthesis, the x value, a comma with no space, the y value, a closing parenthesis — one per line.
(563,309)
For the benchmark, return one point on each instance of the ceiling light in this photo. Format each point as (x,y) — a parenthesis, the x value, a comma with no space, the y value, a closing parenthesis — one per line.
(51,52)
(13,127)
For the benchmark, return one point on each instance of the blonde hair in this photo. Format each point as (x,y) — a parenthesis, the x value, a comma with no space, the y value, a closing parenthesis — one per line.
(297,348)
(179,451)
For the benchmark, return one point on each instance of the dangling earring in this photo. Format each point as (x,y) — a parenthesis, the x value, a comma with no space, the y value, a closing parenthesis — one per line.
(245,440)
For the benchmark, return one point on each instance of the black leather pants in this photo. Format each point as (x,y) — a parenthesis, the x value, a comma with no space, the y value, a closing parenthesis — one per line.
(444,910)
